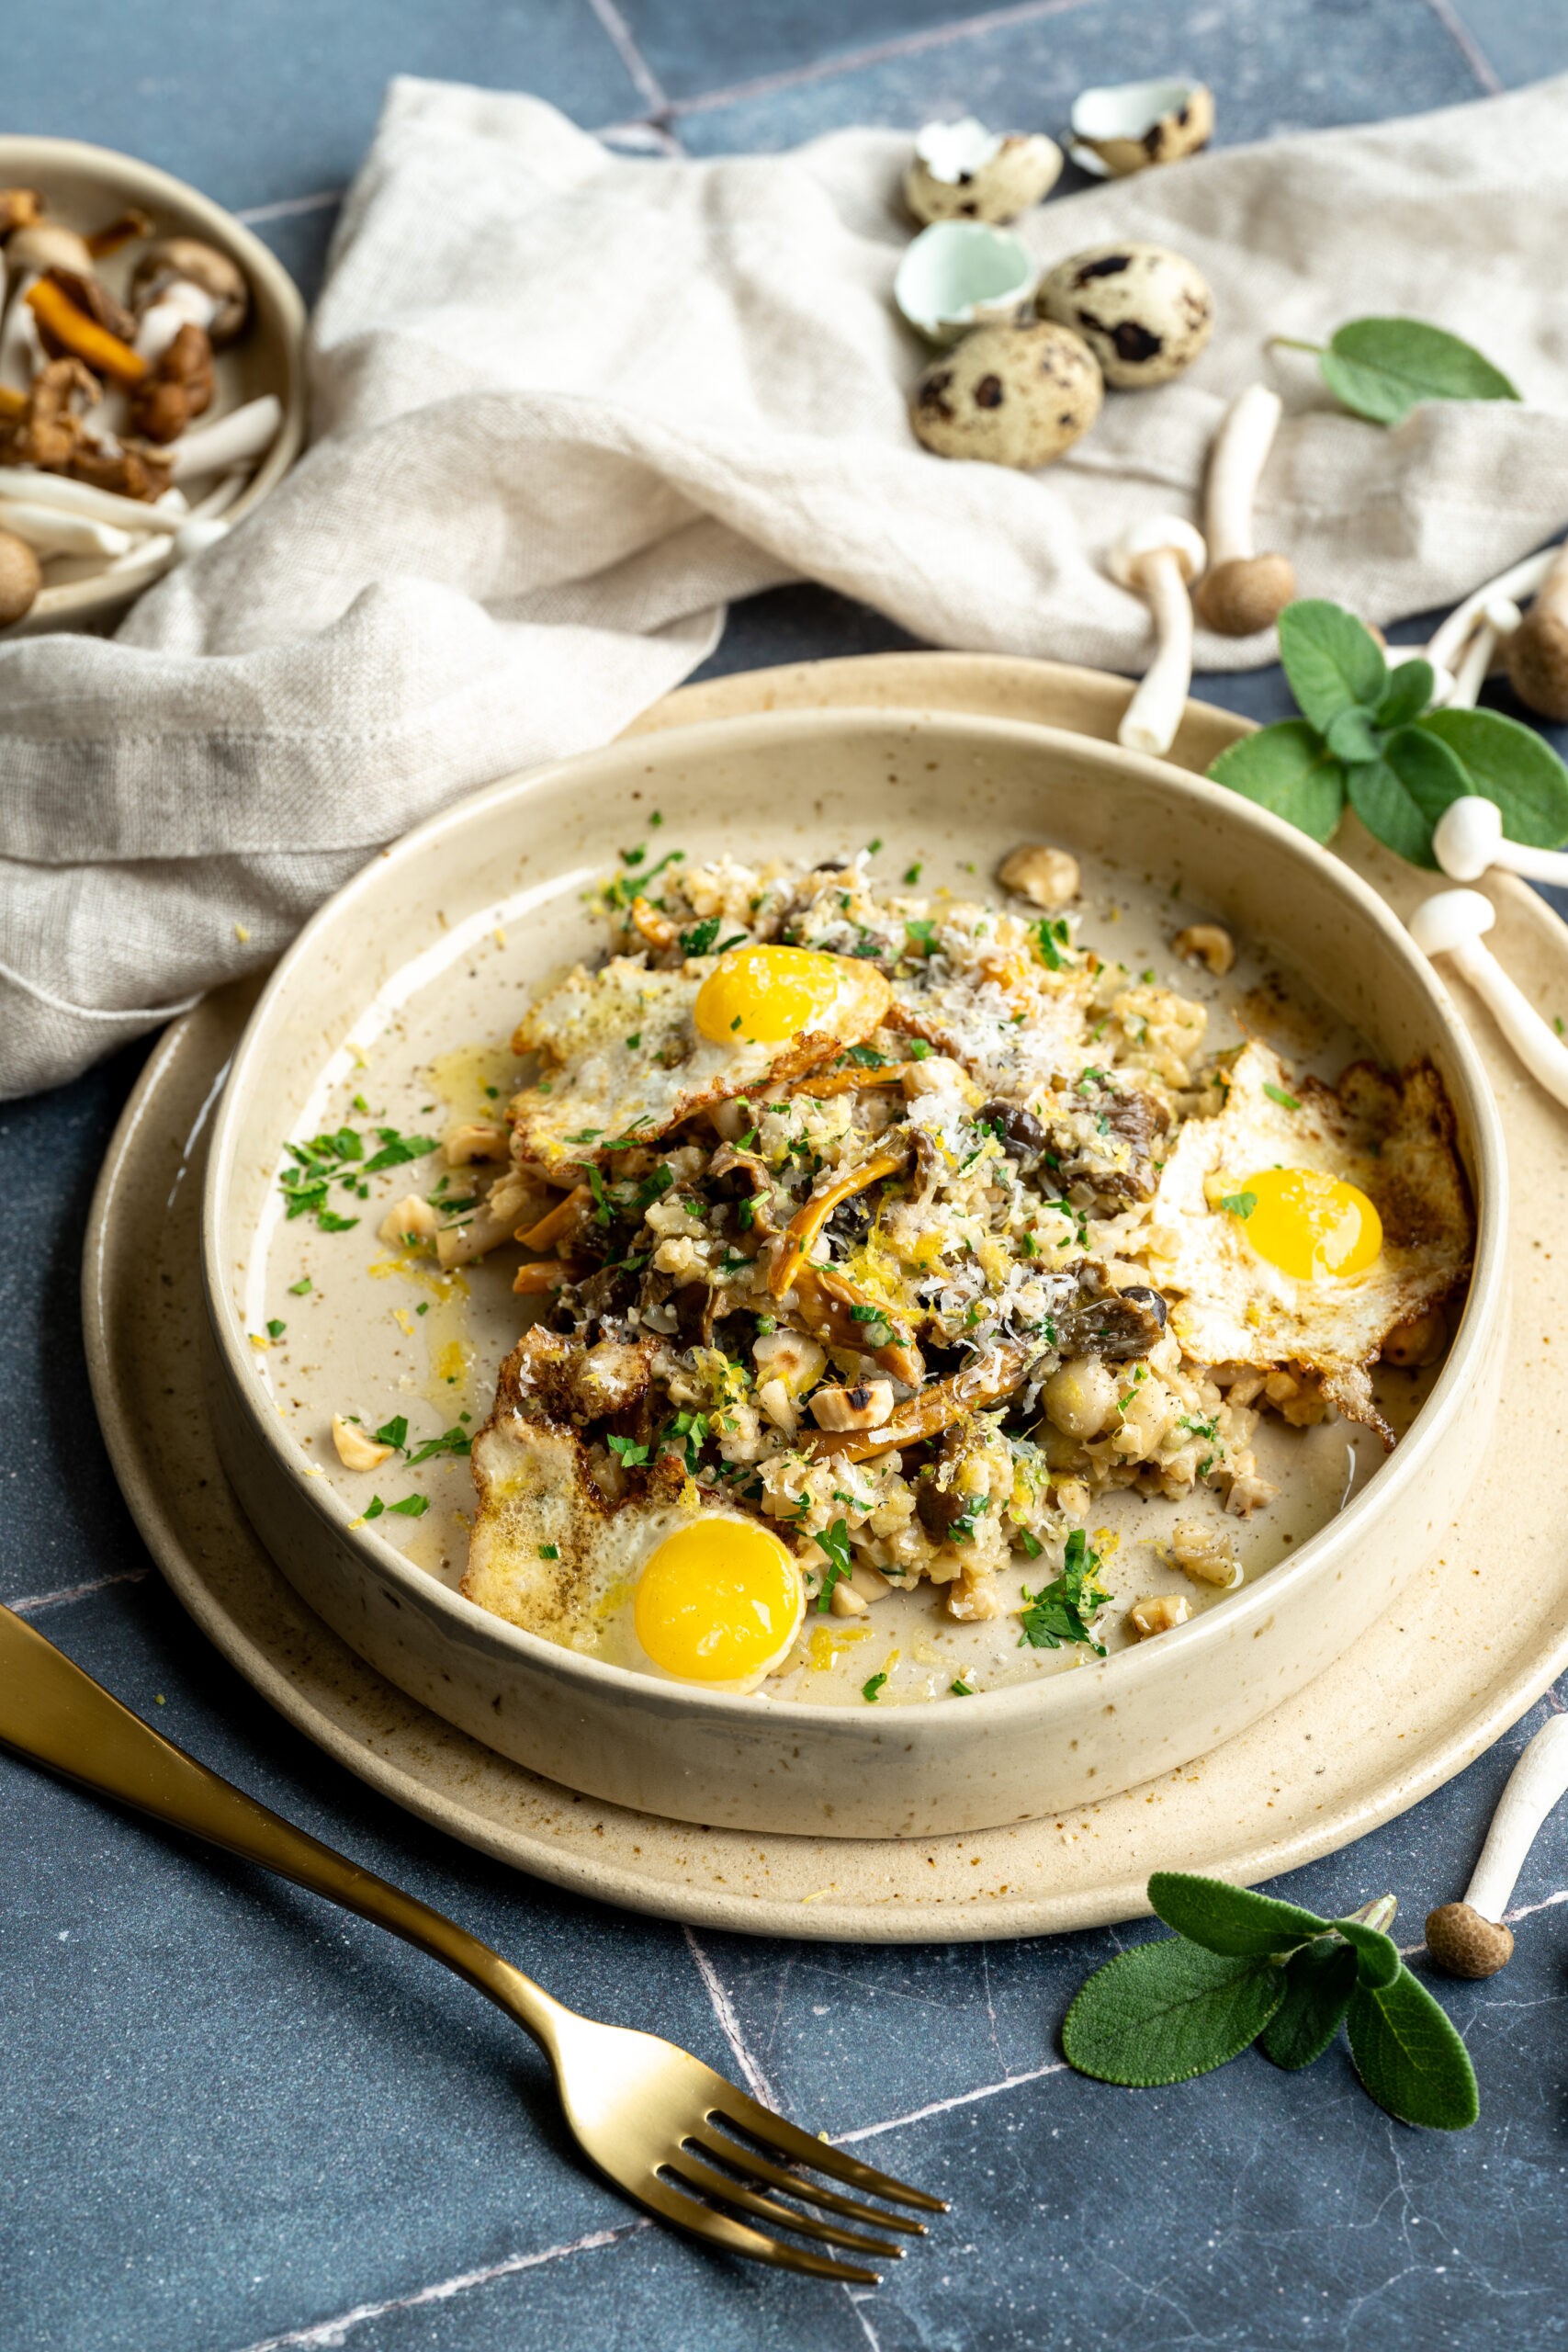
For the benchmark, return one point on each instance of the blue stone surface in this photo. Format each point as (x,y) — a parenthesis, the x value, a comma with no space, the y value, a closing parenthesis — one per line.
(234,2120)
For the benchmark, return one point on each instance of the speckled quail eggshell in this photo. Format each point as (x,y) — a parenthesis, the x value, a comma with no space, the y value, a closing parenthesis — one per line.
(1009,395)
(1144,312)
(1024,169)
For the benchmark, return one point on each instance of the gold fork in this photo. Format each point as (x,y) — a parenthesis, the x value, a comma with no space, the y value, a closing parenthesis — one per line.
(655,2119)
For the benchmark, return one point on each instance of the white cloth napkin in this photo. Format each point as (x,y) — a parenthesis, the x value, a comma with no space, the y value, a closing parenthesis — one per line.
(566,404)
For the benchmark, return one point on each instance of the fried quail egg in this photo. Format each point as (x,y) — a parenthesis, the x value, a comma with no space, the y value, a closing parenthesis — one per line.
(1302,1225)
(704,1595)
(628,1051)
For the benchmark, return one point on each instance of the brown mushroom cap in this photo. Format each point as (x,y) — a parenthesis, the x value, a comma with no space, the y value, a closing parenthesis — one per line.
(204,266)
(1245,593)
(1465,1944)
(20,578)
(1538,662)
(45,244)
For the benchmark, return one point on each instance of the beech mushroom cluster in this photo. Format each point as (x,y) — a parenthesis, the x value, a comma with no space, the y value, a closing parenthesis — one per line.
(99,391)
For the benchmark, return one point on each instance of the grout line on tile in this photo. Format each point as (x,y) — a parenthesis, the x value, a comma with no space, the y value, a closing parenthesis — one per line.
(945,2106)
(640,137)
(620,35)
(32,1601)
(826,68)
(757,2082)
(325,2335)
(289,207)
(1468,48)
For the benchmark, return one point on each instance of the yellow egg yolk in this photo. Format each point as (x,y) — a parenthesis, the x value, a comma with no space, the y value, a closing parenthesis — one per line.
(718,1601)
(763,995)
(1308,1224)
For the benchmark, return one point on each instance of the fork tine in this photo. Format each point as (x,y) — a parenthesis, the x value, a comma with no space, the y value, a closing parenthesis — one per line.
(756,2167)
(719,2230)
(773,2129)
(695,2175)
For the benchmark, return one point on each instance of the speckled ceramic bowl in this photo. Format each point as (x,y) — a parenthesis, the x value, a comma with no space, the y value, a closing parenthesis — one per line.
(509,865)
(84,188)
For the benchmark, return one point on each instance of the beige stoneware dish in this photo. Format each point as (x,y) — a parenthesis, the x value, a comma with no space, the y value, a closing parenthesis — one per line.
(86,187)
(515,859)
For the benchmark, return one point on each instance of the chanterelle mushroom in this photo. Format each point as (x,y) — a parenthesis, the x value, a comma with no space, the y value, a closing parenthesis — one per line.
(1157,559)
(1468,1938)
(1242,592)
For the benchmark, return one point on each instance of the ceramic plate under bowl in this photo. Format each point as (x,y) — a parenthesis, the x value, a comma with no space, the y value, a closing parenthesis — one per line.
(85,188)
(491,895)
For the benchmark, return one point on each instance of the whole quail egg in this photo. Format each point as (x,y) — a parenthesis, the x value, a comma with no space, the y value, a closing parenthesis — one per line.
(1009,395)
(961,171)
(1144,312)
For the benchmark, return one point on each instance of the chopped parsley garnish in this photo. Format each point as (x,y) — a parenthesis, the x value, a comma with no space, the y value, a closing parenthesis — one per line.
(411,1506)
(634,856)
(627,1452)
(1059,1612)
(373,1509)
(911,876)
(1031,1544)
(396,1148)
(339,1158)
(921,933)
(1277,1094)
(1240,1204)
(1147,977)
(962,1689)
(452,1440)
(301,1288)
(634,1041)
(630,885)
(873,846)
(962,1529)
(835,1546)
(549,1551)
(394,1433)
(1050,938)
(872,1689)
(875,1320)
(699,940)
(686,1435)
(919,1051)
(864,1057)
(275,1329)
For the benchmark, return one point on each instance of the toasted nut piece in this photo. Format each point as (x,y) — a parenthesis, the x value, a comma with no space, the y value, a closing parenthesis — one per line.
(865,1407)
(656,928)
(412,1221)
(1420,1342)
(354,1450)
(1206,1553)
(1158,1614)
(1080,1397)
(938,1074)
(476,1139)
(790,1358)
(1046,877)
(1206,942)
(847,1601)
(779,1405)
(1248,1493)
(870,1581)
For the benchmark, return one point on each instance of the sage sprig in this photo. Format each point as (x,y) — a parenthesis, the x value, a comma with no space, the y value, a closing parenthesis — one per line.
(1243,1968)
(1381,368)
(1368,736)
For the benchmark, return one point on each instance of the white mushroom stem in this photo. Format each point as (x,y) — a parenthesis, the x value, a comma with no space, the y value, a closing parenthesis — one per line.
(1158,560)
(1236,468)
(81,498)
(236,438)
(50,531)
(1537,1782)
(1520,579)
(181,303)
(1498,618)
(1468,838)
(22,353)
(1452,923)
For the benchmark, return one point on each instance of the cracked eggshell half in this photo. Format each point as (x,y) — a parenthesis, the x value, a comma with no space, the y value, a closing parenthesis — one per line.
(1011,396)
(959,274)
(961,171)
(1127,126)
(1144,312)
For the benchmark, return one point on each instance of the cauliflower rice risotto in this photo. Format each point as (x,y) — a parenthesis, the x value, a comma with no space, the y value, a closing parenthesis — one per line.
(913,1295)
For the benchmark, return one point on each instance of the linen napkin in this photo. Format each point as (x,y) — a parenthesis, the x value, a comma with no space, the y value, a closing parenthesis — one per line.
(568,403)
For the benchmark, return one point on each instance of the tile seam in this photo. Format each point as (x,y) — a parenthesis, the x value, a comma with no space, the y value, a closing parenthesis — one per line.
(946,2105)
(623,41)
(1468,48)
(31,1602)
(757,2082)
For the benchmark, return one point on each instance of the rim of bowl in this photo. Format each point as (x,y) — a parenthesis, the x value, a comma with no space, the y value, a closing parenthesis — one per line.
(25,159)
(1390,1482)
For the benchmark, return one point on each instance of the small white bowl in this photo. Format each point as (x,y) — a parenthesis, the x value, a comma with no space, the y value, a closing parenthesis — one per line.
(954,790)
(960,274)
(84,187)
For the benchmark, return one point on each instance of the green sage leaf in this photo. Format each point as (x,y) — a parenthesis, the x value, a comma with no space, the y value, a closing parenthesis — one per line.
(1333,662)
(1410,2057)
(1352,738)
(1286,770)
(1381,368)
(1229,1920)
(1377,1955)
(1512,765)
(1401,796)
(1319,1981)
(1410,686)
(1167,2011)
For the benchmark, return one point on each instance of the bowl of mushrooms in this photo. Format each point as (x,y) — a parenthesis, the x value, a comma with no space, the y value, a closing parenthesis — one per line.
(152,379)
